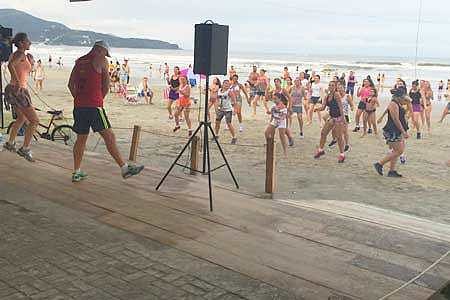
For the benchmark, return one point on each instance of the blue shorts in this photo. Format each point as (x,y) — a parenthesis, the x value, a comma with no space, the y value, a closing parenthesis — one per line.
(350,90)
(297,109)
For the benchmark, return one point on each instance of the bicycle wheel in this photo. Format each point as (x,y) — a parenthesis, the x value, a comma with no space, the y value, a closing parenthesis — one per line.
(21,130)
(64,134)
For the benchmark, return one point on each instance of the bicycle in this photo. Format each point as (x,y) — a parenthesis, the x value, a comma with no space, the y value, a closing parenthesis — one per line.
(52,132)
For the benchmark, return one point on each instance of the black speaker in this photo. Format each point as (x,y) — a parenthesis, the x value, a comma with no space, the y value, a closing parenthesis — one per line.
(5,43)
(211,49)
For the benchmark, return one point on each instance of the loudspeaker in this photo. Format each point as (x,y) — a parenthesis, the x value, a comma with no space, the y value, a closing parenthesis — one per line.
(5,43)
(211,49)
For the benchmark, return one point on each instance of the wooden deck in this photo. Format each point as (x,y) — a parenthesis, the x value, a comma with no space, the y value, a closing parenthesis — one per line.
(312,249)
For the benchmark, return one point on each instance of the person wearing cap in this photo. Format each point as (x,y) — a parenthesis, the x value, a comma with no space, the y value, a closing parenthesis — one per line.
(89,85)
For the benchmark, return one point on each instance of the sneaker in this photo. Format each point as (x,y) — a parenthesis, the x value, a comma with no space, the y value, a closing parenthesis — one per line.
(176,128)
(9,147)
(241,128)
(79,176)
(333,143)
(419,136)
(356,129)
(233,141)
(291,142)
(190,132)
(319,154)
(341,158)
(394,174)
(379,168)
(369,131)
(132,171)
(403,159)
(347,148)
(26,154)
(301,135)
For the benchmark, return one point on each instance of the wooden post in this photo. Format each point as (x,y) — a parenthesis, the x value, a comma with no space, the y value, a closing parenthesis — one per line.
(135,143)
(194,154)
(270,166)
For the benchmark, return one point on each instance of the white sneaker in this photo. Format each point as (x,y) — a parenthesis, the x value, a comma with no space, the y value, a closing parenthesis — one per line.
(241,128)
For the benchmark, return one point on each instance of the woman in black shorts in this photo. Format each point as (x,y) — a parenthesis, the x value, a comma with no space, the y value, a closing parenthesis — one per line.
(395,132)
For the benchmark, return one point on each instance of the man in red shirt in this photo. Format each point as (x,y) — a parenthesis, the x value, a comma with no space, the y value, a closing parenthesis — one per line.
(89,85)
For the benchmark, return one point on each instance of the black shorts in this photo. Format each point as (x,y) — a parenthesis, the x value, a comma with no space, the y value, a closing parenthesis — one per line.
(315,100)
(362,105)
(86,118)
(227,114)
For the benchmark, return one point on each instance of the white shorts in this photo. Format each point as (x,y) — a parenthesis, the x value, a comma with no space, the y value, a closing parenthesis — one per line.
(279,124)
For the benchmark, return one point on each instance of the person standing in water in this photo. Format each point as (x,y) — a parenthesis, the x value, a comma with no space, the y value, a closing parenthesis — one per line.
(17,95)
(89,85)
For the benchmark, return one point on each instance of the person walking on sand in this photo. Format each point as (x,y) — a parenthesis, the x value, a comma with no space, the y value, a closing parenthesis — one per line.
(446,110)
(174,85)
(213,96)
(184,105)
(418,104)
(336,121)
(89,85)
(395,132)
(127,70)
(298,94)
(237,88)
(317,92)
(17,95)
(363,94)
(278,120)
(39,75)
(370,121)
(227,100)
(427,93)
(252,81)
(145,91)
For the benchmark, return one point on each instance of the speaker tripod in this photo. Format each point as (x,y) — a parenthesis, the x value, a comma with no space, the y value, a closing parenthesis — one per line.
(206,170)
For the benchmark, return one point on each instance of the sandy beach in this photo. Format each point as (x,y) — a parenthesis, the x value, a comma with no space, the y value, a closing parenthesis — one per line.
(423,192)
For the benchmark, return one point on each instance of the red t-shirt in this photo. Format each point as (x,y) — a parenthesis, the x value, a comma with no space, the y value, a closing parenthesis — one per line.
(88,83)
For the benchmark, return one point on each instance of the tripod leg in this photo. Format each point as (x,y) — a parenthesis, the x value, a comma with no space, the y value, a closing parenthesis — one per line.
(179,156)
(209,173)
(223,155)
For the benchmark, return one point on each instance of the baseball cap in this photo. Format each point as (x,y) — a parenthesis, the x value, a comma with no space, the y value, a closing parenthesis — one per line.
(103,45)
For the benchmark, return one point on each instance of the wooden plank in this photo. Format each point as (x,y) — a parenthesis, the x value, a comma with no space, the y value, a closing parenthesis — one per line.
(317,264)
(270,166)
(135,143)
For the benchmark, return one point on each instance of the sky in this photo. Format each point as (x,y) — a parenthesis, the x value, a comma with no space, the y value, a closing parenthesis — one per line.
(322,27)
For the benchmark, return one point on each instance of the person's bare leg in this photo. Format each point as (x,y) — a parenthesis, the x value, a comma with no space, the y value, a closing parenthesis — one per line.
(283,138)
(345,135)
(444,114)
(16,126)
(398,148)
(217,127)
(358,117)
(33,122)
(110,142)
(177,117)
(337,131)
(373,122)
(394,155)
(169,107)
(300,122)
(428,119)
(266,104)
(324,133)
(78,150)
(232,131)
(187,118)
(319,115)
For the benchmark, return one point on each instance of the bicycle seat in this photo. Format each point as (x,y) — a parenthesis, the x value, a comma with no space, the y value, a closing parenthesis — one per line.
(55,112)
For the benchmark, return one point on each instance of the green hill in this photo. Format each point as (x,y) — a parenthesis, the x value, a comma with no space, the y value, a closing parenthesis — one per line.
(52,33)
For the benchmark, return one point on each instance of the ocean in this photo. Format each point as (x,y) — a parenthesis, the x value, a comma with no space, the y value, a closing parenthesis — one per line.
(433,70)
